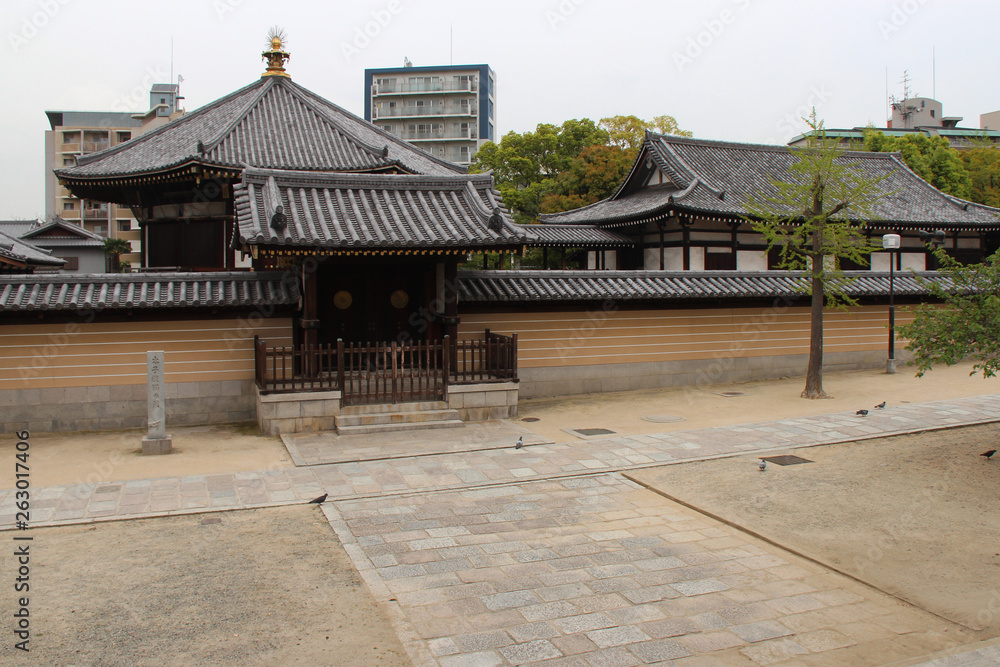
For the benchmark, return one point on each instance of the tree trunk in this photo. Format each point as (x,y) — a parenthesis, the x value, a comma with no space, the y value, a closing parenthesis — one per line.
(814,375)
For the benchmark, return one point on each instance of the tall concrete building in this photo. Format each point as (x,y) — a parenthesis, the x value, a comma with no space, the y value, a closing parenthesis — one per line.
(447,111)
(74,133)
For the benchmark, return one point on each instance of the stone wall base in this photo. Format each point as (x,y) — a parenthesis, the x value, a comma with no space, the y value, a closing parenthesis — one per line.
(485,401)
(302,412)
(117,407)
(568,380)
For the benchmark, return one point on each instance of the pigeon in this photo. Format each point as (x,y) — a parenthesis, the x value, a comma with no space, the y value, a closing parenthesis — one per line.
(520,443)
(762,464)
(863,413)
(880,405)
(317,501)
(989,454)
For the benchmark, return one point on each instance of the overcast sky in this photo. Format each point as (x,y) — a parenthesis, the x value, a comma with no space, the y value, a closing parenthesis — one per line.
(739,70)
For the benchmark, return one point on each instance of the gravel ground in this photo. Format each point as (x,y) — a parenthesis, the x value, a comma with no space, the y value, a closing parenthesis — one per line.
(254,587)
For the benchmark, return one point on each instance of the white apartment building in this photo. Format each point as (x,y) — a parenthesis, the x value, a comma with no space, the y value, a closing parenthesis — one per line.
(447,111)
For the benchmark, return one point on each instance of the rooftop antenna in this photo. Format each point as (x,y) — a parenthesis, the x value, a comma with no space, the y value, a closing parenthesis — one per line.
(171,59)
(888,113)
(451,40)
(933,74)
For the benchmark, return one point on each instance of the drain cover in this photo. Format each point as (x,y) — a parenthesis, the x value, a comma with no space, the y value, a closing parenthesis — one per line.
(663,419)
(593,431)
(786,460)
(211,520)
(731,394)
(529,419)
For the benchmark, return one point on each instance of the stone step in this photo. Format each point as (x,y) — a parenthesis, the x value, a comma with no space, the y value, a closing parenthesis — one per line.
(387,428)
(396,417)
(415,406)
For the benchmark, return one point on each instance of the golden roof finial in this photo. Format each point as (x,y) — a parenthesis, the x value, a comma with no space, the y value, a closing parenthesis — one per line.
(276,56)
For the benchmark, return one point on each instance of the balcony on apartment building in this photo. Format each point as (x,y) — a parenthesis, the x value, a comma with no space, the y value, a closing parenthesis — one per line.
(427,85)
(470,110)
(436,135)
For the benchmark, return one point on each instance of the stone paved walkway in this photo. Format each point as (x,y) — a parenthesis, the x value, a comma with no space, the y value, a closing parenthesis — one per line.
(504,556)
(387,476)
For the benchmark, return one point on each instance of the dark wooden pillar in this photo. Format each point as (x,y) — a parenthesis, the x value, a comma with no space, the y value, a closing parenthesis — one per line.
(545,257)
(309,321)
(564,258)
(686,242)
(659,225)
(450,297)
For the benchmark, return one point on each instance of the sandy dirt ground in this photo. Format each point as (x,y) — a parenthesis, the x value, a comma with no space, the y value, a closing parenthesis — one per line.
(253,587)
(915,515)
(704,407)
(91,458)
(77,458)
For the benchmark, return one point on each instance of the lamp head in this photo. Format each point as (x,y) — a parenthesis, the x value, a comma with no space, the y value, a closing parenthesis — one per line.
(891,241)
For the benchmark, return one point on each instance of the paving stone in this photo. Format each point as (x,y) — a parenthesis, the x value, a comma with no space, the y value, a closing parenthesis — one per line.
(533,651)
(700,587)
(760,631)
(659,650)
(511,600)
(617,636)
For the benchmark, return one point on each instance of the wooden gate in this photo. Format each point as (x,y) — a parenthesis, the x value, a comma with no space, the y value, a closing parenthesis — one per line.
(392,372)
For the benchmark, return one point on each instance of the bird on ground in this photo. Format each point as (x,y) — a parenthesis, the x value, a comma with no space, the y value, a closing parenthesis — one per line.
(880,405)
(317,501)
(989,454)
(863,413)
(762,464)
(520,443)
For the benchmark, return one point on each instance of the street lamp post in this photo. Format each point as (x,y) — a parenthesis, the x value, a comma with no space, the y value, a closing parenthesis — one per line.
(891,242)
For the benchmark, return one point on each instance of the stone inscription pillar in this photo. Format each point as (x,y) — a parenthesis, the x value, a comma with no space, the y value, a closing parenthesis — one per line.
(156,441)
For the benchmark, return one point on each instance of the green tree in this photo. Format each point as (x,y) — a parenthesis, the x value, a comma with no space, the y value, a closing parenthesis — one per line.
(525,165)
(931,158)
(114,249)
(983,165)
(628,132)
(814,215)
(591,176)
(967,323)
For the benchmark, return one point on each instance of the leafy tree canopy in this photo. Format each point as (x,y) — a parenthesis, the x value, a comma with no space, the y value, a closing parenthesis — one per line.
(627,132)
(524,165)
(983,165)
(558,168)
(966,325)
(931,158)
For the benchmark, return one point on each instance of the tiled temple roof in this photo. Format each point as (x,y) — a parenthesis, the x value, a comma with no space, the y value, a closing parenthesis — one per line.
(578,286)
(366,211)
(117,291)
(19,253)
(272,123)
(590,236)
(717,179)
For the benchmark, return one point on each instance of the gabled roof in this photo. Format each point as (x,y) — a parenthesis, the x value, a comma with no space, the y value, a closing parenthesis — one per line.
(272,123)
(582,286)
(116,291)
(58,233)
(14,252)
(366,211)
(16,228)
(717,179)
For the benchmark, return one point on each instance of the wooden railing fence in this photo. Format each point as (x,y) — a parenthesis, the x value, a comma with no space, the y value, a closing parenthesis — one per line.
(383,372)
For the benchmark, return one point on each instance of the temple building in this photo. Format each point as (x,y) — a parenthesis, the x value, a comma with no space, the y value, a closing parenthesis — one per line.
(684,204)
(302,267)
